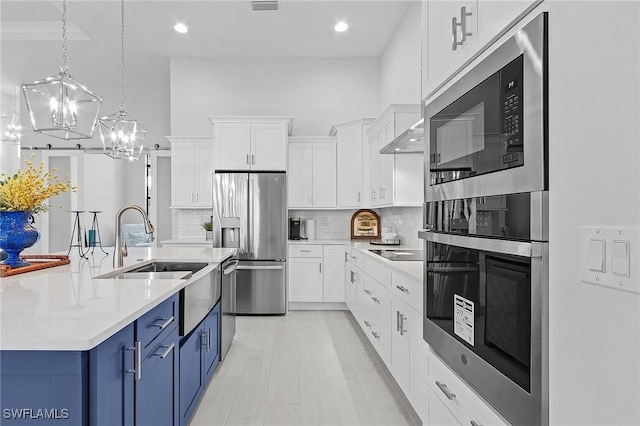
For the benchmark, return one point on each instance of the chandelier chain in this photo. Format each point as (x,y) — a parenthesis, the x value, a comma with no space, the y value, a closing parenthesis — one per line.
(122,104)
(64,33)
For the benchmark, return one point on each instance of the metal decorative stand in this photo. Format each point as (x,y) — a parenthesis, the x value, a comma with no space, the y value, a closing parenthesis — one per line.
(95,230)
(76,226)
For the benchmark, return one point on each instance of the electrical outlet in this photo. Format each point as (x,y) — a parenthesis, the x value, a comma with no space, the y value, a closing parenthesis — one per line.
(324,221)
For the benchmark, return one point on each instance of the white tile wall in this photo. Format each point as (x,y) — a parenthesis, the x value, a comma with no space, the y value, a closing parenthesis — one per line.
(188,223)
(335,224)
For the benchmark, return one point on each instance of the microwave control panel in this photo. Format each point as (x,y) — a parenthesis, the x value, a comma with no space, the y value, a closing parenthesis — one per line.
(511,85)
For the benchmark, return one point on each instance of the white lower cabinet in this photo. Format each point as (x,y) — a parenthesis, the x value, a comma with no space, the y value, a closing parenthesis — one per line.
(316,273)
(387,305)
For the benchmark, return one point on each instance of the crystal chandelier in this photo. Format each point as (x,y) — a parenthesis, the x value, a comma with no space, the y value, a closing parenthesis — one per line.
(60,106)
(11,128)
(122,137)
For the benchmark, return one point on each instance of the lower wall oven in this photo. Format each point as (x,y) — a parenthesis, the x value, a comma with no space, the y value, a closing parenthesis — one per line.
(485,306)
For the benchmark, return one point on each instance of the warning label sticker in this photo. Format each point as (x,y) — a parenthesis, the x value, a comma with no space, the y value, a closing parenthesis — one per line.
(463,318)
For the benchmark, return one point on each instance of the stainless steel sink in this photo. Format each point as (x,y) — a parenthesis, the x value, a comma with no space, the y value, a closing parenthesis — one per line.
(157,270)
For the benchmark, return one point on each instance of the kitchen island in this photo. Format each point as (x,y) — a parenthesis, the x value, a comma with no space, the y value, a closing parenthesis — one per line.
(67,339)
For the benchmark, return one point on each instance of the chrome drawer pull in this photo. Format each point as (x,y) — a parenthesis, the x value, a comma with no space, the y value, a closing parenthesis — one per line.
(402,289)
(376,335)
(450,395)
(305,251)
(375,299)
(474,423)
(164,325)
(166,352)
(367,323)
(367,291)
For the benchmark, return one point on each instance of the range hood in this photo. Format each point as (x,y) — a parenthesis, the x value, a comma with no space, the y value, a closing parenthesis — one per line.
(408,142)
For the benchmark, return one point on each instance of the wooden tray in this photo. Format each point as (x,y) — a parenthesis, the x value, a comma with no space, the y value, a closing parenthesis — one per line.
(38,261)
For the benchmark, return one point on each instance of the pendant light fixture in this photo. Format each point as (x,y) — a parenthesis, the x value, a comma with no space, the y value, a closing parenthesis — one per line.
(60,106)
(122,137)
(10,128)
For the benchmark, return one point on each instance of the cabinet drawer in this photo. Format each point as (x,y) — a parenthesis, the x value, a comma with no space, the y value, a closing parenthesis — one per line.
(305,250)
(462,400)
(378,271)
(408,290)
(356,257)
(156,324)
(378,298)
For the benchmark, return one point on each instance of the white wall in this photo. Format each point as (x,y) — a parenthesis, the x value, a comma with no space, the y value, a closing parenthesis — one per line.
(400,63)
(317,92)
(594,134)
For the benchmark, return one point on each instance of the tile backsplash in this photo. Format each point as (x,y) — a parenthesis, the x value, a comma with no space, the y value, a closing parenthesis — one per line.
(335,224)
(188,223)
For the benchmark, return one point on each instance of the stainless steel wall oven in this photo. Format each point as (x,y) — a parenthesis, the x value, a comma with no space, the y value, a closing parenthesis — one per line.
(486,226)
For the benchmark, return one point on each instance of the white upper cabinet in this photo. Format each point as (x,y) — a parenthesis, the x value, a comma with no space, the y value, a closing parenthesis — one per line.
(456,31)
(395,179)
(312,172)
(191,171)
(251,143)
(351,159)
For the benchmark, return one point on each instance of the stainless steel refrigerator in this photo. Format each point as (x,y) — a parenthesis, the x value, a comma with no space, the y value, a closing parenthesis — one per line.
(250,211)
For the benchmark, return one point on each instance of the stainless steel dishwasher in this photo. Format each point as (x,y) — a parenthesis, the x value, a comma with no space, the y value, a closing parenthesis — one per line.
(228,305)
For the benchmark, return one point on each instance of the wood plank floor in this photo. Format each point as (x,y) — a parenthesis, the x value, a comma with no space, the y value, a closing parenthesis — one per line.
(305,368)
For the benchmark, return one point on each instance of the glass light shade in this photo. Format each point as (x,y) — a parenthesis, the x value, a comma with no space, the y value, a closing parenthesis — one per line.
(10,128)
(61,107)
(122,138)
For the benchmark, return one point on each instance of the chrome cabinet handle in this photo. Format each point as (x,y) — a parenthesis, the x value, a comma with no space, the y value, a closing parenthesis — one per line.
(367,291)
(474,423)
(375,299)
(454,33)
(305,251)
(376,335)
(247,158)
(137,360)
(253,157)
(367,323)
(358,196)
(463,24)
(445,390)
(352,277)
(320,265)
(397,320)
(346,257)
(164,325)
(203,340)
(402,329)
(402,289)
(167,350)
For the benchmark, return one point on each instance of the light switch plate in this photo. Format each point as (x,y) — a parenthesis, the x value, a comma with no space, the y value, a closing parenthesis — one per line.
(610,277)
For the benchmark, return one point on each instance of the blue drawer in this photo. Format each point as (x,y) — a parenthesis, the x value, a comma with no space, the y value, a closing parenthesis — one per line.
(156,324)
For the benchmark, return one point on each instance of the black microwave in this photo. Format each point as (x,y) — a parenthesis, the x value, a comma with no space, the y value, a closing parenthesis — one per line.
(486,133)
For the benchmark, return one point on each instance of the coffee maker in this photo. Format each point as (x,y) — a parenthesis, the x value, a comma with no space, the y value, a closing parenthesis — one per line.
(295,228)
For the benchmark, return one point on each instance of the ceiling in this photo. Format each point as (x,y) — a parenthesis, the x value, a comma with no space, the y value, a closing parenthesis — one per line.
(217,29)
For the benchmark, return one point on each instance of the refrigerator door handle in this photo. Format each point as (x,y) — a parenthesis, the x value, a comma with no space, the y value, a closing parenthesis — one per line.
(260,268)
(250,216)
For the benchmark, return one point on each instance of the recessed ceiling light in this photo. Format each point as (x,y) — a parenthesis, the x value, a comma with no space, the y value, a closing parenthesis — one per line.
(341,27)
(181,28)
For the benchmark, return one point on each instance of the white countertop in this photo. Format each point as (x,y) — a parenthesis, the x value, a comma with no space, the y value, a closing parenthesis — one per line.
(411,268)
(187,241)
(65,308)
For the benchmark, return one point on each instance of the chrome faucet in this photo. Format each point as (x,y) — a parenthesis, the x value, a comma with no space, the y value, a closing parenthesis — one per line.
(121,249)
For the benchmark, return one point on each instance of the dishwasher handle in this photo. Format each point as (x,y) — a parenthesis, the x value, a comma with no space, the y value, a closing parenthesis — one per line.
(260,268)
(230,267)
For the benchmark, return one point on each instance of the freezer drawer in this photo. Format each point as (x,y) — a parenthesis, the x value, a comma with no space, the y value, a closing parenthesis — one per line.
(261,287)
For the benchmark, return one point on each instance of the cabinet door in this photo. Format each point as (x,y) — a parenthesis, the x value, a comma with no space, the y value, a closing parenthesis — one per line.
(211,347)
(233,141)
(300,180)
(350,167)
(442,59)
(324,174)
(383,166)
(400,337)
(183,177)
(110,383)
(305,279)
(268,146)
(157,390)
(333,277)
(204,169)
(373,169)
(191,377)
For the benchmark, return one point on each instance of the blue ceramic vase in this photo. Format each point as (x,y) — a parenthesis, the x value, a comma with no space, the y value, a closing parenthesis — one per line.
(16,234)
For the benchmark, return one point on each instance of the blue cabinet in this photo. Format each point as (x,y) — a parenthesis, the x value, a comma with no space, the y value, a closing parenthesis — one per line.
(199,357)
(111,377)
(156,401)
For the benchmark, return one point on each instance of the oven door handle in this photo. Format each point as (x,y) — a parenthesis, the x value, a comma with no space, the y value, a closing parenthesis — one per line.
(530,249)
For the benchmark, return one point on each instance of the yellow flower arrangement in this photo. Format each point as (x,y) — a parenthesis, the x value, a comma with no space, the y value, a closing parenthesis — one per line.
(28,189)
